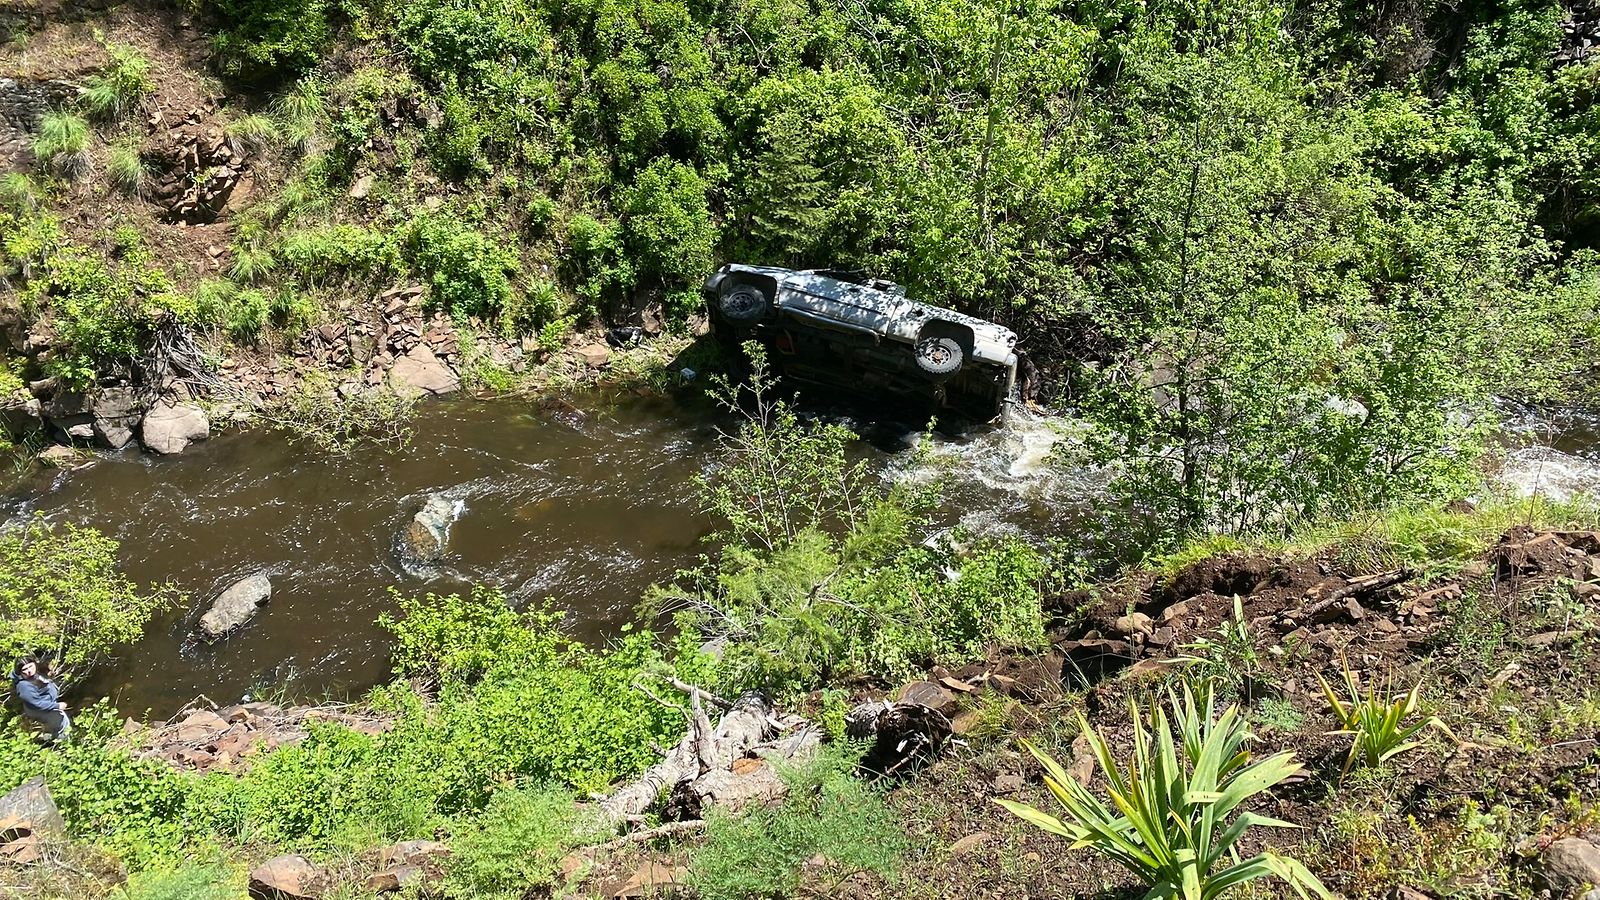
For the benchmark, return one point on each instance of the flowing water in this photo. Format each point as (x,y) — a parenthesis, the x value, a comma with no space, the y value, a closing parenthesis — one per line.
(587,508)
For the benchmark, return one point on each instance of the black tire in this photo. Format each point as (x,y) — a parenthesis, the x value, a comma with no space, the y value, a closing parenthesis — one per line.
(939,357)
(744,304)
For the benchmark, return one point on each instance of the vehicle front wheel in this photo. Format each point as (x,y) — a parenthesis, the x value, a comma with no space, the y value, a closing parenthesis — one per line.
(743,303)
(939,357)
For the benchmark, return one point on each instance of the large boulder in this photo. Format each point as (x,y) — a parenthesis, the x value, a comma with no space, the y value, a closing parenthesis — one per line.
(421,372)
(21,415)
(31,804)
(116,413)
(428,532)
(170,427)
(287,877)
(1570,866)
(236,606)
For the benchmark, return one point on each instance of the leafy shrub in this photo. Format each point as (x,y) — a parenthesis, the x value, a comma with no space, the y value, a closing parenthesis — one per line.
(1375,723)
(668,224)
(515,844)
(134,807)
(110,93)
(99,310)
(828,813)
(125,169)
(820,574)
(62,144)
(468,272)
(339,422)
(1169,822)
(240,312)
(60,589)
(266,38)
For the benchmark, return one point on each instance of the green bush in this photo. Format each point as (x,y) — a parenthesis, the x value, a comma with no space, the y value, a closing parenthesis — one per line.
(468,272)
(61,590)
(828,813)
(111,93)
(668,225)
(99,310)
(253,134)
(270,38)
(516,843)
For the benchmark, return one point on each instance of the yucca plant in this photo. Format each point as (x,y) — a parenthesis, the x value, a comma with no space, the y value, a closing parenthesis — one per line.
(1174,819)
(1375,721)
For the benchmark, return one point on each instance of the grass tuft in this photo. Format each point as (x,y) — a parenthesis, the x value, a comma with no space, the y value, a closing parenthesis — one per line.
(125,169)
(112,92)
(62,145)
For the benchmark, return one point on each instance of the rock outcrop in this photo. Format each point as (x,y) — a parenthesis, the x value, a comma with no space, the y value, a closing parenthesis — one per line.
(170,427)
(236,606)
(428,533)
(31,802)
(116,412)
(421,372)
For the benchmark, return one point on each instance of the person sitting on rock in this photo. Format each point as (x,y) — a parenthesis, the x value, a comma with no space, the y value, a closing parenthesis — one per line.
(40,697)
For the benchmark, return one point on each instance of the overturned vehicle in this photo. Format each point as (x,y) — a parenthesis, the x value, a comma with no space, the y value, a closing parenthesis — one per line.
(846,331)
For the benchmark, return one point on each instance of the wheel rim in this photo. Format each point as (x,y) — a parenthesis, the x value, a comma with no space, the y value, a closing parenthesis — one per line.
(936,353)
(742,302)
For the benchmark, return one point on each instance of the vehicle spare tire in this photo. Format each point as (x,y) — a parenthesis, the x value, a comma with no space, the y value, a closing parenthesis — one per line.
(938,357)
(743,303)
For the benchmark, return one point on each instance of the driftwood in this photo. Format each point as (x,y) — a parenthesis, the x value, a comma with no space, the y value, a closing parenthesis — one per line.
(1328,608)
(702,751)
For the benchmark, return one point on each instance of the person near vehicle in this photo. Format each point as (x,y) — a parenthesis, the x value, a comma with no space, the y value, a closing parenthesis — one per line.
(40,697)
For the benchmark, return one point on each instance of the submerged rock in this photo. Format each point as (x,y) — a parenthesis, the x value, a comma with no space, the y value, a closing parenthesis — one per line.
(170,427)
(236,606)
(429,531)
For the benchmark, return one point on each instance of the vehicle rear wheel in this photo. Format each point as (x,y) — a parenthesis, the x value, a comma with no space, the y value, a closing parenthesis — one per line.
(939,357)
(743,303)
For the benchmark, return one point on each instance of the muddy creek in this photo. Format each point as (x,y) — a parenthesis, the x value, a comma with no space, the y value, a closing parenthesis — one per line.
(586,508)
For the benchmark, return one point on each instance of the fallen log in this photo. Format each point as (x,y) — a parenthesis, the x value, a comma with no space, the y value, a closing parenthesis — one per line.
(702,749)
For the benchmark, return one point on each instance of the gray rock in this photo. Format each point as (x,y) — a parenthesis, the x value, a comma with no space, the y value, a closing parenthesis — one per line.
(22,416)
(236,606)
(428,533)
(31,802)
(1570,866)
(170,427)
(288,877)
(420,372)
(116,414)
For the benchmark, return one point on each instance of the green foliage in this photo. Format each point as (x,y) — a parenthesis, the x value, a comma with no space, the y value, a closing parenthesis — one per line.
(668,226)
(190,881)
(518,699)
(61,590)
(18,193)
(108,94)
(1376,723)
(468,272)
(100,310)
(125,169)
(62,143)
(828,813)
(1229,655)
(338,422)
(1174,819)
(267,38)
(516,843)
(820,575)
